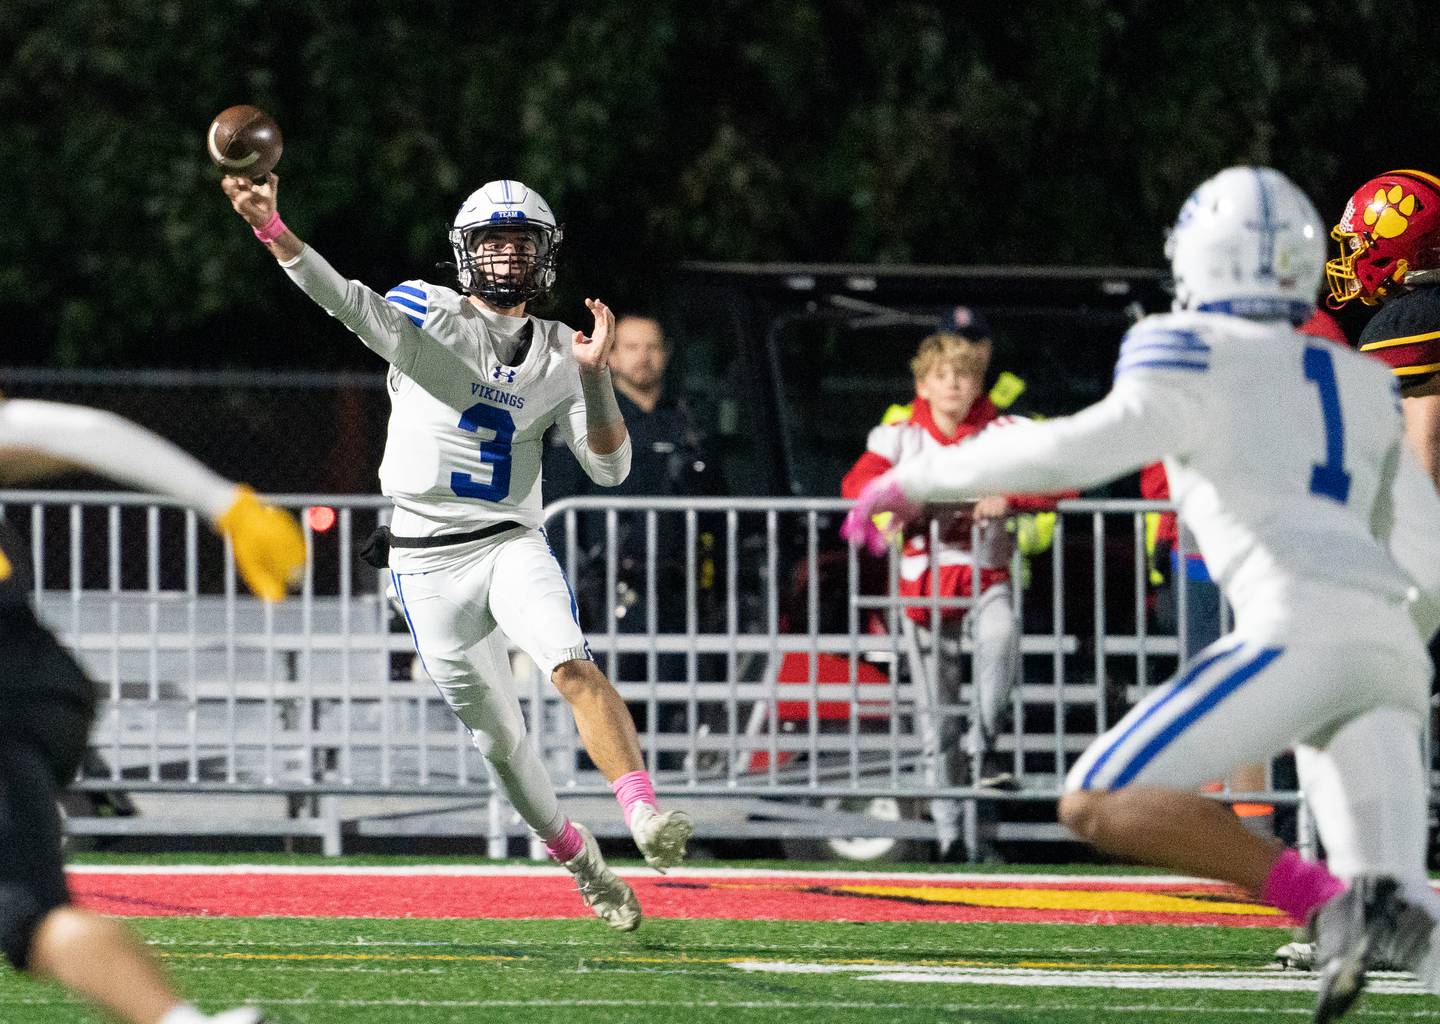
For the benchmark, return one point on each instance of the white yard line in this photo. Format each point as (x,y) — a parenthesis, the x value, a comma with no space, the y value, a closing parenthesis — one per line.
(1168,980)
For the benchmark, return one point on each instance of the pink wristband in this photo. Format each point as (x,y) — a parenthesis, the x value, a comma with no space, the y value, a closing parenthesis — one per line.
(273,229)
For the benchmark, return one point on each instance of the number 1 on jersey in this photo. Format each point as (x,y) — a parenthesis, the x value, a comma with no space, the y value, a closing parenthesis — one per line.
(1329,478)
(495,453)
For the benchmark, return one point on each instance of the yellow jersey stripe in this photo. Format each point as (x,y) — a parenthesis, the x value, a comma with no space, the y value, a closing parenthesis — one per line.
(1410,339)
(6,569)
(1406,371)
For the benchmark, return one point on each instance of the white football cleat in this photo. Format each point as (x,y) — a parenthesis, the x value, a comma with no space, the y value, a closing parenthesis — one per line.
(602,890)
(1296,956)
(242,1015)
(661,837)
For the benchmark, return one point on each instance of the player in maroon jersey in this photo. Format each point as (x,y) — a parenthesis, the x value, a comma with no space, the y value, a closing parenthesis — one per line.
(1390,256)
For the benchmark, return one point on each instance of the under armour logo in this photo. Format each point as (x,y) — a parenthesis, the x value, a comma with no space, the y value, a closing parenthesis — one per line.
(502,374)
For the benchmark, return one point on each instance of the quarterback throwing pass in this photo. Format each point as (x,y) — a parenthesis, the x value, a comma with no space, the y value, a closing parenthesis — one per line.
(474,384)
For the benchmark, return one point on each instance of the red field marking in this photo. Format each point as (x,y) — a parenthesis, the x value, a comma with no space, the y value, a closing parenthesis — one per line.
(256,893)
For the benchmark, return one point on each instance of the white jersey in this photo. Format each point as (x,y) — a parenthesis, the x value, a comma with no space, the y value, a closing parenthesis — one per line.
(465,436)
(1285,457)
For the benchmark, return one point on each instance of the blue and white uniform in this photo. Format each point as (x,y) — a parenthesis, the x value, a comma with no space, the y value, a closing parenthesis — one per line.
(472,393)
(1286,459)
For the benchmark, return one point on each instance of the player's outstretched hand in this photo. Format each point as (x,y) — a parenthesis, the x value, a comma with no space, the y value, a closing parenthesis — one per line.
(593,353)
(881,495)
(255,201)
(269,547)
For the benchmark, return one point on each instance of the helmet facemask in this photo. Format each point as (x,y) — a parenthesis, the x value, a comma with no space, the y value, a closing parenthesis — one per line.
(506,264)
(1349,277)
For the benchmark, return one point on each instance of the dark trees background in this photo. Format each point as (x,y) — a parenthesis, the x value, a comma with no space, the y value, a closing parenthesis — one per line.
(1053,131)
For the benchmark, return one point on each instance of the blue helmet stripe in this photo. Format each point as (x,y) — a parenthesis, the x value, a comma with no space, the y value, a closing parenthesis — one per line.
(1261,307)
(1268,227)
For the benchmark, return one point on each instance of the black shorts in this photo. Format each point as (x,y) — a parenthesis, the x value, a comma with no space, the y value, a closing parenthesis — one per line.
(46,705)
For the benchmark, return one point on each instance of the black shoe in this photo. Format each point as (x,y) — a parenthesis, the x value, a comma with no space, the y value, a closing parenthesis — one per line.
(996,773)
(1352,928)
(1006,782)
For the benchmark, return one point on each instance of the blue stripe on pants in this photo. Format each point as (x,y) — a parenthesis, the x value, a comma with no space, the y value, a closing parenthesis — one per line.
(414,636)
(1180,684)
(574,607)
(1197,711)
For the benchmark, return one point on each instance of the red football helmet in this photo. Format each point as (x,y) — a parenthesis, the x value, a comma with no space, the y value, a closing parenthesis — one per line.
(1391,227)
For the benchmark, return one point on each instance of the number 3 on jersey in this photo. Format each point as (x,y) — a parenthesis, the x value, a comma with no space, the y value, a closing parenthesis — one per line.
(1328,478)
(494,453)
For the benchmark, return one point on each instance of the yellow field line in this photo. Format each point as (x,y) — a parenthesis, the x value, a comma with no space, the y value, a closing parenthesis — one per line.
(341,956)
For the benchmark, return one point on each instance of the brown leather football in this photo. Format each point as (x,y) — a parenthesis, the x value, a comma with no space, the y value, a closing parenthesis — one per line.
(245,140)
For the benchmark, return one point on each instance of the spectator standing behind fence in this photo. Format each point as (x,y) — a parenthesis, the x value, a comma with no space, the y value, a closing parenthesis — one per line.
(950,407)
(669,458)
(47,704)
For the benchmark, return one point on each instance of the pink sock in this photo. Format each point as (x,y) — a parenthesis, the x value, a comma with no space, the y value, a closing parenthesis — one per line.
(633,790)
(567,845)
(1298,886)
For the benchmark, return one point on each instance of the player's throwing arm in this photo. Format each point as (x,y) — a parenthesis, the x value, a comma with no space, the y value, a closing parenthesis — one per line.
(256,203)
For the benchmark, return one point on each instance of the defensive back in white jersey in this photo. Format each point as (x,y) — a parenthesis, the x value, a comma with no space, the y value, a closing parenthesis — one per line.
(1282,450)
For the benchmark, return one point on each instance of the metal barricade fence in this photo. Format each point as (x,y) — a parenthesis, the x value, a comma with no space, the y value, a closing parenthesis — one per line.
(767,670)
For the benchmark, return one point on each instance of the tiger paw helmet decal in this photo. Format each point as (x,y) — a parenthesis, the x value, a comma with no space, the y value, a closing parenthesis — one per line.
(1391,226)
(1388,214)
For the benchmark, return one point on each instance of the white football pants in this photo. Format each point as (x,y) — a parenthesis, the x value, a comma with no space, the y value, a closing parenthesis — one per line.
(460,618)
(1350,694)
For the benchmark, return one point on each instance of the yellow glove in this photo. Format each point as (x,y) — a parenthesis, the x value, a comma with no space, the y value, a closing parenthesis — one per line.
(269,547)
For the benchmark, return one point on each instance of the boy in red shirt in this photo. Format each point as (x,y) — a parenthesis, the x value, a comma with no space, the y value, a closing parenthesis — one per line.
(950,407)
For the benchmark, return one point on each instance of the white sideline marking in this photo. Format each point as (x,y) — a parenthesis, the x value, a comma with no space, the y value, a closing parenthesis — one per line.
(1382,983)
(1209,1011)
(540,870)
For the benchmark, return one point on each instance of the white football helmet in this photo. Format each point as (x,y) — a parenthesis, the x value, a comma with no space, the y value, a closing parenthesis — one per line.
(1249,243)
(505,279)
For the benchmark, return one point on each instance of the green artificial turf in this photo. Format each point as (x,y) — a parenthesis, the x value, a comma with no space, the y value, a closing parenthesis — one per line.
(349,971)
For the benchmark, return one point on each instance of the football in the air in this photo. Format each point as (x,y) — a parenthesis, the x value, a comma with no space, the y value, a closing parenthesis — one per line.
(245,140)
